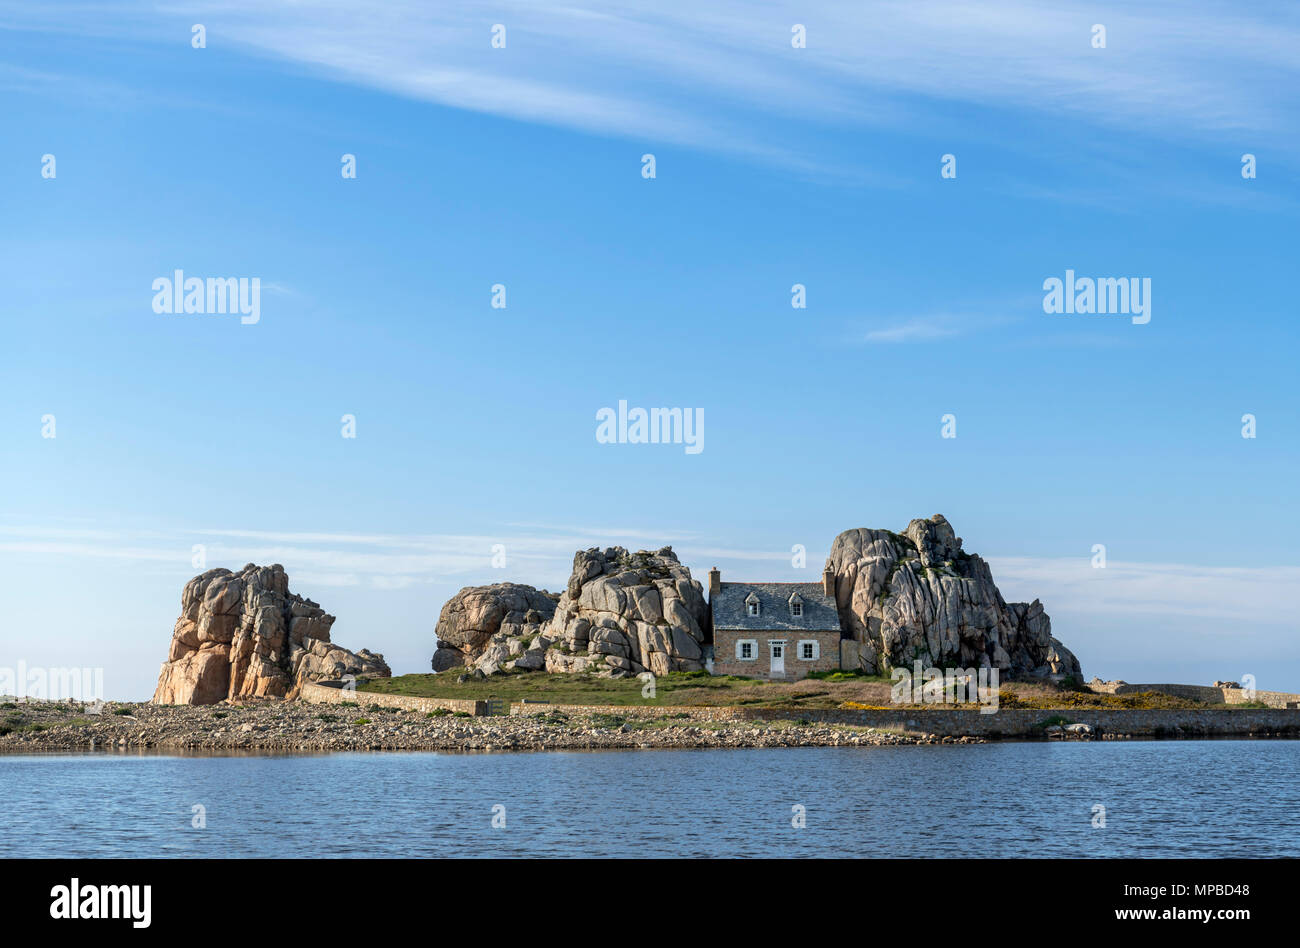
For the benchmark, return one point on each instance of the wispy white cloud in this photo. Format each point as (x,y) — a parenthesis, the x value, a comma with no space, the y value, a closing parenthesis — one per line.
(914,330)
(1246,596)
(543,556)
(933,327)
(622,534)
(668,71)
(398,561)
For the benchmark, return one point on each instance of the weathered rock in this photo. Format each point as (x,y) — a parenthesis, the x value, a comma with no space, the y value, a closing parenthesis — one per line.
(621,613)
(478,615)
(630,612)
(560,662)
(243,635)
(532,660)
(445,659)
(1108,687)
(918,596)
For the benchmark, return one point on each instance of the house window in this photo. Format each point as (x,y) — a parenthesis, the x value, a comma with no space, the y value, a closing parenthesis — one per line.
(796,609)
(751,605)
(747,650)
(809,650)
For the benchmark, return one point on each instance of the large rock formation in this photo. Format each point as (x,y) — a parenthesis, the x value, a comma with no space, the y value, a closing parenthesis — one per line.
(476,615)
(628,612)
(244,635)
(919,597)
(621,614)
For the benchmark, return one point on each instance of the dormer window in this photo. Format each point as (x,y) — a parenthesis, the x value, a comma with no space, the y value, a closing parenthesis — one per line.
(796,606)
(751,605)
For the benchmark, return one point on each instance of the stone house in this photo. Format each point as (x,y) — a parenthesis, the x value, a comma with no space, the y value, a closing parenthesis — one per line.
(780,631)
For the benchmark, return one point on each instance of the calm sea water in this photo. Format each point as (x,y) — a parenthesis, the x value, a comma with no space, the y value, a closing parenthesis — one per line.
(1193,798)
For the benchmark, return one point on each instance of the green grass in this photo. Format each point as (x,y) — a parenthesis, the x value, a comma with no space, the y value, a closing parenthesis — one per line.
(823,690)
(855,674)
(681,688)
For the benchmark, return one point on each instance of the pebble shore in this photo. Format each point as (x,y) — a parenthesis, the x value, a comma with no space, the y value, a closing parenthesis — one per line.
(296,726)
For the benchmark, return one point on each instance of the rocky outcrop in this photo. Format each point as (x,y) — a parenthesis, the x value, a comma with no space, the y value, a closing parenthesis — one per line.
(918,596)
(244,635)
(482,619)
(902,598)
(626,613)
(621,614)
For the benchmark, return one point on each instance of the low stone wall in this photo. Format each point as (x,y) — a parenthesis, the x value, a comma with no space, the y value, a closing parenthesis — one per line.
(1206,693)
(1005,723)
(1017,723)
(686,712)
(1274,699)
(334,693)
(1008,723)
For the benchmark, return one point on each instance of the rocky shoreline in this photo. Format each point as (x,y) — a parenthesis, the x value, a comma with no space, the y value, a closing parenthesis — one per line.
(291,726)
(277,726)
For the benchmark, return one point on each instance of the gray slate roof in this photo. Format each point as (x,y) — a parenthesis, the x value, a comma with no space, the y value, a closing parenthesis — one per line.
(819,612)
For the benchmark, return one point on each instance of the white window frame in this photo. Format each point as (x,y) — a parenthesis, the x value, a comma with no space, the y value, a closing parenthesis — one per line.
(754,608)
(796,609)
(816,650)
(753,650)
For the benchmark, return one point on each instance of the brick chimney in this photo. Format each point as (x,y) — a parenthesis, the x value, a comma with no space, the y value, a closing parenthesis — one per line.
(828,582)
(715,582)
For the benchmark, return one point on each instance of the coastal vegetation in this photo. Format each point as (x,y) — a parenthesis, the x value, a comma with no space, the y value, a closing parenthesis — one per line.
(590,688)
(848,690)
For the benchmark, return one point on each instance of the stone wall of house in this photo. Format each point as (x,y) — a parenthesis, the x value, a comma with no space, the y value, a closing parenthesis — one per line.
(726,663)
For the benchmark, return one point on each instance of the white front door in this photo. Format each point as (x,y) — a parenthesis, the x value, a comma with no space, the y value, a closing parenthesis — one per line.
(778,658)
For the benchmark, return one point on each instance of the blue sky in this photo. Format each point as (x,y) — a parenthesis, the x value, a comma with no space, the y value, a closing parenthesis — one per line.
(522,166)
